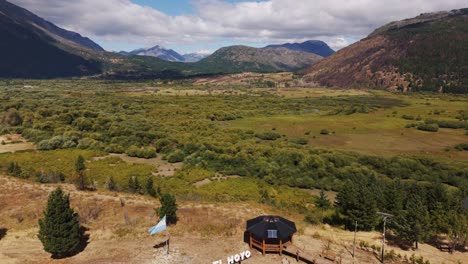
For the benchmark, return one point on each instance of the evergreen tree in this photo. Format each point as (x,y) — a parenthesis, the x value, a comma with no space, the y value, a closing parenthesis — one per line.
(168,208)
(80,168)
(356,202)
(150,188)
(414,225)
(322,201)
(60,231)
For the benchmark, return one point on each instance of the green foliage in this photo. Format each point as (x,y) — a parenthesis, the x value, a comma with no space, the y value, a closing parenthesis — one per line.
(80,164)
(176,156)
(462,146)
(357,201)
(168,208)
(428,127)
(60,231)
(149,187)
(322,201)
(268,136)
(146,152)
(324,132)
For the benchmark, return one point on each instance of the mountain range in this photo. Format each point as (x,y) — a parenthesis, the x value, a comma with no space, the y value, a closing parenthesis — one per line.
(316,47)
(166,54)
(428,52)
(311,46)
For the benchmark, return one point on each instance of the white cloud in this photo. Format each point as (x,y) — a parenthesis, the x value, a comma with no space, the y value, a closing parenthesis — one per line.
(274,21)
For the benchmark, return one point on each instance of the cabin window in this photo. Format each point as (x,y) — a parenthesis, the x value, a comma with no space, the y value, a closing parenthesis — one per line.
(272,233)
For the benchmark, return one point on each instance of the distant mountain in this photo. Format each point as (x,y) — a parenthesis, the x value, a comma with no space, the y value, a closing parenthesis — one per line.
(428,52)
(194,57)
(312,46)
(158,52)
(30,47)
(17,13)
(243,59)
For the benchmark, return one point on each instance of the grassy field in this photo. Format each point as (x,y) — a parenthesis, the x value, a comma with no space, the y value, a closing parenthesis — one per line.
(381,132)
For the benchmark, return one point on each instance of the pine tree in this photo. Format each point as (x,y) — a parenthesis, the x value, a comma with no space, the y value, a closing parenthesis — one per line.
(322,201)
(168,208)
(414,225)
(60,231)
(356,202)
(80,168)
(150,188)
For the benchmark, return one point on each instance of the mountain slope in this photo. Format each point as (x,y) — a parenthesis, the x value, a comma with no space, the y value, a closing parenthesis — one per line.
(312,46)
(194,57)
(158,52)
(428,52)
(20,14)
(28,52)
(242,58)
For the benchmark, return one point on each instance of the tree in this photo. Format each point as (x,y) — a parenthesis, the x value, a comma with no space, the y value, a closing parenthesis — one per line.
(357,202)
(60,231)
(322,201)
(80,168)
(414,224)
(150,187)
(168,208)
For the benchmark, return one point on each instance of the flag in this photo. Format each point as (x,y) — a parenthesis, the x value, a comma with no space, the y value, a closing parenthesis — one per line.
(161,226)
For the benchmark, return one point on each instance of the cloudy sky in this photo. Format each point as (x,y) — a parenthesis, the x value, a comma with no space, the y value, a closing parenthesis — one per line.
(205,25)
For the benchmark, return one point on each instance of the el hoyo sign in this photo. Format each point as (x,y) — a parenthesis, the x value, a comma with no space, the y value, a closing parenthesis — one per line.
(235,258)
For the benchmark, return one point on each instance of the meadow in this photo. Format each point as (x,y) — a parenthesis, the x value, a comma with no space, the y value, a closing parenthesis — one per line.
(290,137)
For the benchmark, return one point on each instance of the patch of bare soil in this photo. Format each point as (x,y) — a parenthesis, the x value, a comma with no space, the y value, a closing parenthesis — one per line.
(13,143)
(117,227)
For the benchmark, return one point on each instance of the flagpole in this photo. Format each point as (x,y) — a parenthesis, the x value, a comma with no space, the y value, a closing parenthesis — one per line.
(167,241)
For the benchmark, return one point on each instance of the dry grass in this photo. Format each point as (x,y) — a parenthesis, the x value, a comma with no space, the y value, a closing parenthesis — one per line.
(118,222)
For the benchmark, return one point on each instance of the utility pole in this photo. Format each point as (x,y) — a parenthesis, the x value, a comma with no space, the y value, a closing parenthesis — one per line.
(385,217)
(354,243)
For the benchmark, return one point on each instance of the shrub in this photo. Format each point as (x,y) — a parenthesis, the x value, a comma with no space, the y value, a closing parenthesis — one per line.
(408,117)
(462,146)
(268,136)
(299,141)
(428,127)
(324,132)
(177,156)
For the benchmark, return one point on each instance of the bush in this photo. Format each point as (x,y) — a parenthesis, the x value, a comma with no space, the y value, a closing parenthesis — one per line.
(299,141)
(177,156)
(324,132)
(268,136)
(408,117)
(462,146)
(428,127)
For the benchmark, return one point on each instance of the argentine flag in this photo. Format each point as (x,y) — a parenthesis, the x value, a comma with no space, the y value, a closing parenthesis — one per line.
(161,226)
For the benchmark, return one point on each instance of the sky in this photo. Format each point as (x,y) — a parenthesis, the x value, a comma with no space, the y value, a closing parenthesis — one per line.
(206,25)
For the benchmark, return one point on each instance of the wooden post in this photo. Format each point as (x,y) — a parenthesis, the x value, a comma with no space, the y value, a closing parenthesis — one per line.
(263,247)
(250,241)
(281,247)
